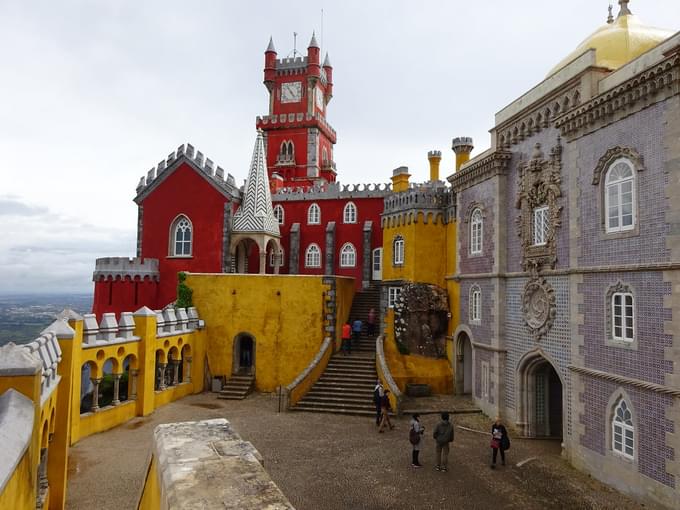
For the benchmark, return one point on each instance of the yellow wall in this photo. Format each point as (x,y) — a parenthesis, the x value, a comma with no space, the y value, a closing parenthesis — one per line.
(344,291)
(151,494)
(284,314)
(306,384)
(19,493)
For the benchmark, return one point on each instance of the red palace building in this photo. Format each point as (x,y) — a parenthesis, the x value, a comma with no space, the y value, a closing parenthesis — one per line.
(187,206)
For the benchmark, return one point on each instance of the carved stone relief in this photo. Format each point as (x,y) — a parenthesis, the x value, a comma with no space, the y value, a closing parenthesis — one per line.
(538,306)
(539,186)
(421,319)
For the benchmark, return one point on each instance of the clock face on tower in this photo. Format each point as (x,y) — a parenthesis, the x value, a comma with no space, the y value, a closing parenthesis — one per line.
(319,98)
(291,92)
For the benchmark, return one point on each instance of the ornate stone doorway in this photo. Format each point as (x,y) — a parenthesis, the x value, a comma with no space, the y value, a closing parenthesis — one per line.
(244,354)
(540,403)
(463,365)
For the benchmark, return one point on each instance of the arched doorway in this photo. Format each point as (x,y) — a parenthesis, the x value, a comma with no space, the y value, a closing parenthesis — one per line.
(244,354)
(540,397)
(463,365)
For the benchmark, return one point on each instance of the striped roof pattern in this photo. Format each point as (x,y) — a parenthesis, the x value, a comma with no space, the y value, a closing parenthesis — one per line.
(256,215)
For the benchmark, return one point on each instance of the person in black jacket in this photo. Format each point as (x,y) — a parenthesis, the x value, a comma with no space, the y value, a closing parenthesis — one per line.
(499,441)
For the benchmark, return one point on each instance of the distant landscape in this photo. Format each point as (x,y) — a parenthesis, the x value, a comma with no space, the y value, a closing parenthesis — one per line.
(24,316)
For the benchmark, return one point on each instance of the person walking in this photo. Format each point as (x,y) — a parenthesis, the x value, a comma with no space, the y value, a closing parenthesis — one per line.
(443,435)
(378,394)
(384,412)
(499,441)
(370,322)
(357,326)
(415,438)
(346,339)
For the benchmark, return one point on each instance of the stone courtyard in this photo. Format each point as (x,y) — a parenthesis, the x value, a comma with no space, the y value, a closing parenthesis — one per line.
(333,462)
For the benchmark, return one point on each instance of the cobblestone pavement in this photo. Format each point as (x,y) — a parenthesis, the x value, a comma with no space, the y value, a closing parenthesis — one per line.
(329,462)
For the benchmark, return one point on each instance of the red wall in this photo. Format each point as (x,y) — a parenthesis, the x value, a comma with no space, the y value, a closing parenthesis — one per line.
(368,209)
(183,192)
(124,295)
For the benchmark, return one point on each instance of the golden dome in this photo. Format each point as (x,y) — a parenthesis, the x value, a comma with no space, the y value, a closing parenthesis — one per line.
(619,41)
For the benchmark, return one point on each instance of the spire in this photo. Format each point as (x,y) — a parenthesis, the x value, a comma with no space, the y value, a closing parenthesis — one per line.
(270,47)
(327,61)
(313,43)
(256,214)
(624,11)
(610,18)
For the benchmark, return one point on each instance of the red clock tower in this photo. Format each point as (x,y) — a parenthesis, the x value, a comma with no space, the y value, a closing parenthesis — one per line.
(299,141)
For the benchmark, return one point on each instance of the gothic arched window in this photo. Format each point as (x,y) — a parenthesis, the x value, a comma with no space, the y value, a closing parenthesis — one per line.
(314,215)
(350,213)
(348,255)
(278,214)
(623,430)
(476,232)
(398,251)
(181,237)
(619,196)
(286,152)
(475,311)
(313,256)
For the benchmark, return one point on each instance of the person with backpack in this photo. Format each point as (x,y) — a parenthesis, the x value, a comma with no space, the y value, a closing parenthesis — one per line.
(346,339)
(414,437)
(443,435)
(499,441)
(385,412)
(378,394)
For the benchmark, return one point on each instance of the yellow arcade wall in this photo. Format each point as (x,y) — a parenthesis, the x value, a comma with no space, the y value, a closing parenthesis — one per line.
(285,314)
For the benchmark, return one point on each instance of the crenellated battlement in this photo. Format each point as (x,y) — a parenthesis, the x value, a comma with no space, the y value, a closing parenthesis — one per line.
(110,331)
(333,190)
(290,120)
(121,267)
(434,202)
(204,164)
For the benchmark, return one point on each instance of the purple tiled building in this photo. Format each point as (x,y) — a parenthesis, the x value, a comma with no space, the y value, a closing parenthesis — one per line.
(568,259)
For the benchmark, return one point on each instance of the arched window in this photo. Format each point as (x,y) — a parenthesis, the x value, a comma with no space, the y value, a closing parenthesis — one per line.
(348,255)
(273,262)
(623,312)
(540,226)
(181,232)
(398,251)
(313,215)
(313,256)
(324,156)
(286,152)
(619,196)
(476,231)
(623,430)
(475,304)
(278,214)
(350,213)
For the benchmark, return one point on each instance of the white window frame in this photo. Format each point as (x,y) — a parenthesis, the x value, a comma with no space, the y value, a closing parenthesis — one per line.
(627,333)
(348,255)
(311,254)
(540,226)
(398,251)
(476,232)
(314,214)
(393,294)
(617,186)
(349,214)
(174,230)
(475,304)
(623,430)
(272,258)
(279,213)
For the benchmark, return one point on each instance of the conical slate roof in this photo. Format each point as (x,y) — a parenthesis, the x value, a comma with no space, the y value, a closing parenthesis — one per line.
(256,215)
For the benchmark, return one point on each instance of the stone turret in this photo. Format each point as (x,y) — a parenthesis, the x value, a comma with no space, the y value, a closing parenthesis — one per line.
(434,157)
(462,146)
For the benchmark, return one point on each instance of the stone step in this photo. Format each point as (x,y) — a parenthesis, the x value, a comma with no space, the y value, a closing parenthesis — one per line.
(337,405)
(350,370)
(346,385)
(348,399)
(333,391)
(367,365)
(353,412)
(348,379)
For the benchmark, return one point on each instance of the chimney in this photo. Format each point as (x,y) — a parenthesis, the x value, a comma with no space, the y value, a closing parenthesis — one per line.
(400,179)
(434,157)
(462,146)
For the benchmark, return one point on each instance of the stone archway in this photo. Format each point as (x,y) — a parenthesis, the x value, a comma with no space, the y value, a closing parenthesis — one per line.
(244,354)
(540,397)
(463,364)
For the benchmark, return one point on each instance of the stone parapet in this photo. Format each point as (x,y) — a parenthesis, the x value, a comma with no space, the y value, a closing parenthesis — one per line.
(121,267)
(16,428)
(333,190)
(289,120)
(208,460)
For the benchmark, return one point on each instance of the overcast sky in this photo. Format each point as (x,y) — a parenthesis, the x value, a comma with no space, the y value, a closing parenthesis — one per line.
(93,94)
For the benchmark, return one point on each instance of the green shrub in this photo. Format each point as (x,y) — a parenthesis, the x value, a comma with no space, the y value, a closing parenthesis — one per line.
(184,292)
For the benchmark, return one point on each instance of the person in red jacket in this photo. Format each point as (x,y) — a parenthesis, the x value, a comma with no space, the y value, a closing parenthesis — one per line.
(346,338)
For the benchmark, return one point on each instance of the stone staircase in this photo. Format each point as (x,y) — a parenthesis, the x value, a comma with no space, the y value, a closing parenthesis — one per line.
(362,303)
(237,387)
(345,387)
